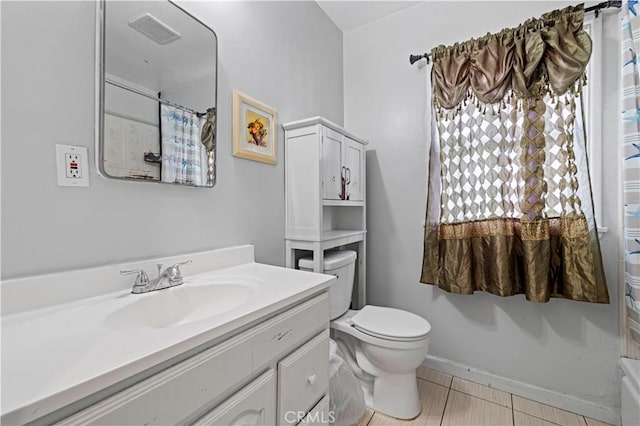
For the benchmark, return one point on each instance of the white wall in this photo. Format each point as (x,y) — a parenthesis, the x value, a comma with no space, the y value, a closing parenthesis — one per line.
(563,346)
(289,55)
(286,54)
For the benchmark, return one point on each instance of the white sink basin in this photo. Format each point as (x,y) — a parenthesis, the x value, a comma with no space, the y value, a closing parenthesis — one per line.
(180,305)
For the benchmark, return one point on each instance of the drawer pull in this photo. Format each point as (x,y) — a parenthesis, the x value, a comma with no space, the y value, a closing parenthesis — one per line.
(312,379)
(281,335)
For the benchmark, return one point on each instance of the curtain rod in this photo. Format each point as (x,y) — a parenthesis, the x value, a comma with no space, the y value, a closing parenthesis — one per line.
(153,98)
(597,8)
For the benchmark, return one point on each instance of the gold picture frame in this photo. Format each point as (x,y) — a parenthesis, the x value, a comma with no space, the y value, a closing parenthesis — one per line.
(255,129)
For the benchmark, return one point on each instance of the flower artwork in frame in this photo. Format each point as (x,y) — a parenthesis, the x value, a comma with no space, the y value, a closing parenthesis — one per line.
(254,129)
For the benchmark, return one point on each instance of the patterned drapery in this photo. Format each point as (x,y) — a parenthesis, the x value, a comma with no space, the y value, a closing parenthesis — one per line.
(630,140)
(509,207)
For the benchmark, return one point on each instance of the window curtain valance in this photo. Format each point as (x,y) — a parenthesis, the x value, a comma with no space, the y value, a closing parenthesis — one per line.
(509,206)
(542,56)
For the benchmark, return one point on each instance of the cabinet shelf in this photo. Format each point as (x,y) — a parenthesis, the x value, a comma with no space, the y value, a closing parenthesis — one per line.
(338,234)
(353,235)
(342,203)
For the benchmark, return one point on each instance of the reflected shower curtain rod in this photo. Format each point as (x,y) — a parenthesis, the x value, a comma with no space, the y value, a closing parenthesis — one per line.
(154,98)
(597,8)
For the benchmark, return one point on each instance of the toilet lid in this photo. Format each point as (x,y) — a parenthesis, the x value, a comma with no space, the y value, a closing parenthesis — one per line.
(391,323)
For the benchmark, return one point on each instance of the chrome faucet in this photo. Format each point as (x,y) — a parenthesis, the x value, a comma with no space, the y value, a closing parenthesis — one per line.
(170,277)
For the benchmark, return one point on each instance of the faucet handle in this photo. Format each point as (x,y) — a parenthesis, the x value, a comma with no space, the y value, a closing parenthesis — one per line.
(141,275)
(175,269)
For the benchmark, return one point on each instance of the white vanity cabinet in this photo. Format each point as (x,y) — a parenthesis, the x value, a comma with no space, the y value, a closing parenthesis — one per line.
(325,191)
(256,377)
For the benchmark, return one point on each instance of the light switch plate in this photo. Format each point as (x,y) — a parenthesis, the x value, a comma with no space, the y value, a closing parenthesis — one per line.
(72,165)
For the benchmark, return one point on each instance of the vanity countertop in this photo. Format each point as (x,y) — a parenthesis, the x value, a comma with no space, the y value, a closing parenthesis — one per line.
(54,356)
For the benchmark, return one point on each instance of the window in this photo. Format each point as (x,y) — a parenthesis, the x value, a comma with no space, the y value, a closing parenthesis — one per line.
(592,99)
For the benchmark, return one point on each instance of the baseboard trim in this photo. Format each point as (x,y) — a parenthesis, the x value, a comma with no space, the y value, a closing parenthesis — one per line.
(525,390)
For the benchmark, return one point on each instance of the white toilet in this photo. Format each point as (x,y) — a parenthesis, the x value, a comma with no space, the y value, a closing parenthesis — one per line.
(384,346)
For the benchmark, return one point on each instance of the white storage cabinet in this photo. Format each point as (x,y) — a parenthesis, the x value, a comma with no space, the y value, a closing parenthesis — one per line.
(325,185)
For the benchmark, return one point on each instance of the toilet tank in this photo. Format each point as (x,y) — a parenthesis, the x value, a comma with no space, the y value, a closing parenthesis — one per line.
(341,264)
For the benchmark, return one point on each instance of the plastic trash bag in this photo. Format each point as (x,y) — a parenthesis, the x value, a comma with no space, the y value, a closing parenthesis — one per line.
(346,399)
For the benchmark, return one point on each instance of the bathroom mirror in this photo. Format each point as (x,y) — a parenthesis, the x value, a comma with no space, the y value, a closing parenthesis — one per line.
(157,104)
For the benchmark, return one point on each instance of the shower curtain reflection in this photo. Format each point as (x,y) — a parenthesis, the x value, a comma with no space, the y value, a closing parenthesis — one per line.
(184,158)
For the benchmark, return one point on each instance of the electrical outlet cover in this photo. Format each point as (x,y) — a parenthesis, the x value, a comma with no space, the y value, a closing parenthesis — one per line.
(73,165)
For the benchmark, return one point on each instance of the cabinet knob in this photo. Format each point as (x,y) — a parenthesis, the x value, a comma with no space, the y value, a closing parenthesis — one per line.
(312,379)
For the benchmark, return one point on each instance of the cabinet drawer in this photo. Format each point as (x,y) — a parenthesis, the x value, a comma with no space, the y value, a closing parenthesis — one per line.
(319,415)
(303,378)
(281,334)
(175,393)
(254,404)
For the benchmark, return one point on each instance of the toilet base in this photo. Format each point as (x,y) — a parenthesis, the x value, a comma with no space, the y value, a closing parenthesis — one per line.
(396,395)
(386,368)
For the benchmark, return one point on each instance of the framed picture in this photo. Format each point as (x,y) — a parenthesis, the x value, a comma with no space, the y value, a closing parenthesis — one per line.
(255,126)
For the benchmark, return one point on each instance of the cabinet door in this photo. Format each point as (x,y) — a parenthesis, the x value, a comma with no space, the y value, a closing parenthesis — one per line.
(252,405)
(319,415)
(354,163)
(331,164)
(303,379)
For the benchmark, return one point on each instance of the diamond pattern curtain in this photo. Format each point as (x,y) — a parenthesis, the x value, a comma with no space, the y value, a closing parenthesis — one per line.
(509,207)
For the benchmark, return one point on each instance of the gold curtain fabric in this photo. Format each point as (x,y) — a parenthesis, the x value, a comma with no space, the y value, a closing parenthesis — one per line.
(509,208)
(540,56)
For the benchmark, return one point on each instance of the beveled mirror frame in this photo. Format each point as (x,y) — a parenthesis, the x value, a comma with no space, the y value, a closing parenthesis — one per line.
(100,61)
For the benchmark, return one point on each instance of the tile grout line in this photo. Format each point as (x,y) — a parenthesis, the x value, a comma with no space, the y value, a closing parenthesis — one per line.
(513,409)
(446,401)
(513,413)
(483,399)
(433,381)
(542,418)
(419,378)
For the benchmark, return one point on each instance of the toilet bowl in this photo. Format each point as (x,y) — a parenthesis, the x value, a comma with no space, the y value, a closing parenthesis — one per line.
(383,346)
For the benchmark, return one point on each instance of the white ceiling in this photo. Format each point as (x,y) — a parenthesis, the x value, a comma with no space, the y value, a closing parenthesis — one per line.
(160,68)
(348,15)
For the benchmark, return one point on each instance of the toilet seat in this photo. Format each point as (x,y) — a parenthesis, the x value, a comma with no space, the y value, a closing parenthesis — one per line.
(346,325)
(390,324)
(383,337)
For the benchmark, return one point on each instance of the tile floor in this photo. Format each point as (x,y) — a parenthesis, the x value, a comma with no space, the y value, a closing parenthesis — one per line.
(449,401)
